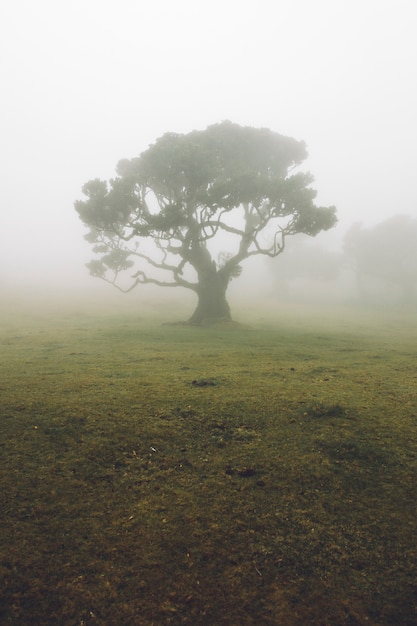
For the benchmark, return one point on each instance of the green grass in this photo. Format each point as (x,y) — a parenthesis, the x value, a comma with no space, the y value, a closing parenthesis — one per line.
(157,475)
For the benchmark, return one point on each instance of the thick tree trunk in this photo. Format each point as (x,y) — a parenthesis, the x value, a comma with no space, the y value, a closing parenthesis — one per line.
(212,304)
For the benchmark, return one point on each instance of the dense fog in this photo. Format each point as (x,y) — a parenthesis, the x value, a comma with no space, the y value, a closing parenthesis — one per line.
(86,84)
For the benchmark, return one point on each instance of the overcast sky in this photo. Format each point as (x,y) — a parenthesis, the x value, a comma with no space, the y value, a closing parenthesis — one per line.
(85,83)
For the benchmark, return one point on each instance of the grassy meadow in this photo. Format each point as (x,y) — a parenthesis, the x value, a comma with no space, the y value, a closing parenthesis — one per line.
(262,473)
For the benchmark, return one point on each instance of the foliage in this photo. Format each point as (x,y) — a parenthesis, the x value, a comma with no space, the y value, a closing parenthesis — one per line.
(171,211)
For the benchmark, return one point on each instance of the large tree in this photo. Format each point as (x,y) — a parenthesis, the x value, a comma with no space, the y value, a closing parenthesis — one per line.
(192,207)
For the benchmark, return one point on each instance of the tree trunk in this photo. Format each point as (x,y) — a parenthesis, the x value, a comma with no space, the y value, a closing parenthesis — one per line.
(212,304)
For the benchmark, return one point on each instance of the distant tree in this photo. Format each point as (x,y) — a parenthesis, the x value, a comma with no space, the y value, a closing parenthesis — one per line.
(308,261)
(384,257)
(192,207)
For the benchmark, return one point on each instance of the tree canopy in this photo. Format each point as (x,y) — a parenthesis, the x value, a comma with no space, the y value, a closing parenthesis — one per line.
(192,207)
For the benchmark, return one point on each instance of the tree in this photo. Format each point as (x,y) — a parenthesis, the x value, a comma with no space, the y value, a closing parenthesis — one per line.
(308,263)
(384,258)
(192,207)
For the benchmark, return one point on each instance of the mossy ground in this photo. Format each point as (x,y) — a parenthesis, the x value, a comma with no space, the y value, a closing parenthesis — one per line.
(156,475)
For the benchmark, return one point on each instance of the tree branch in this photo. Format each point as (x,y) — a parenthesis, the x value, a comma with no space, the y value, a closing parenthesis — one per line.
(141,277)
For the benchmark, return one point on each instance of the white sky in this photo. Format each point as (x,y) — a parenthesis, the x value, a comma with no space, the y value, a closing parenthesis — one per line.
(85,83)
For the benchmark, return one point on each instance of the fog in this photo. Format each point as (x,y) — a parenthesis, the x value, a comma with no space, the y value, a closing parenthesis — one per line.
(85,84)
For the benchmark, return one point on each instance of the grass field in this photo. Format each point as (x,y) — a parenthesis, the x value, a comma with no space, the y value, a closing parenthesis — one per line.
(257,474)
